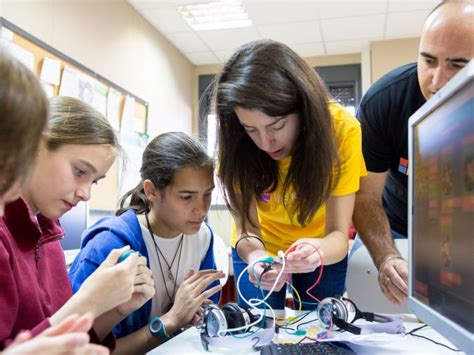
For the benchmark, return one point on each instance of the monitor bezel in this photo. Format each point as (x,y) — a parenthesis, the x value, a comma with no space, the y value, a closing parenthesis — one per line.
(458,335)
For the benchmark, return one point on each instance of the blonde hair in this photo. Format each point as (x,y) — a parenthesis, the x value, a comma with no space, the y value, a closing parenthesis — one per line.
(72,121)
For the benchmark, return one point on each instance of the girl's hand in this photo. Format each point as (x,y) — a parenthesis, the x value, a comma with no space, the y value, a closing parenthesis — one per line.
(269,276)
(144,289)
(190,295)
(111,284)
(303,256)
(68,337)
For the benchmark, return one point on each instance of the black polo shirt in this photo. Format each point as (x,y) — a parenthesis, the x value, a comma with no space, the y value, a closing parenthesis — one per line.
(384,112)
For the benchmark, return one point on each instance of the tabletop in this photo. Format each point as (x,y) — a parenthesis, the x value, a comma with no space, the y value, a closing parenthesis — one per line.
(189,341)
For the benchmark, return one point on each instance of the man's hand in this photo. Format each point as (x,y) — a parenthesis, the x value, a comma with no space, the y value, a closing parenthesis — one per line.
(393,279)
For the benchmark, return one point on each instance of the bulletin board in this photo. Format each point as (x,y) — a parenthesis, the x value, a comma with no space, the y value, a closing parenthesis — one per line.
(105,195)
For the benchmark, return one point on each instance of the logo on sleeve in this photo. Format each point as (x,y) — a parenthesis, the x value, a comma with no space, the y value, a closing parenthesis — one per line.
(403,166)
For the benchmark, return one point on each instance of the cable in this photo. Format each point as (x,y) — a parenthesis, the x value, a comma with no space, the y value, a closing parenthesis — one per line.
(412,332)
(297,295)
(253,302)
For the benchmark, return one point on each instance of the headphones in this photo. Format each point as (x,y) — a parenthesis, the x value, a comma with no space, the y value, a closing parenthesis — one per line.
(230,326)
(334,310)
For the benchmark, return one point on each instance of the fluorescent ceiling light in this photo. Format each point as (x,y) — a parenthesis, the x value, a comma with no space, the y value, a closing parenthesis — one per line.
(215,15)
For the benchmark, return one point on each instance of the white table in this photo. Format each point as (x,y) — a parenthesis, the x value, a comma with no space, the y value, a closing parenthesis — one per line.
(189,342)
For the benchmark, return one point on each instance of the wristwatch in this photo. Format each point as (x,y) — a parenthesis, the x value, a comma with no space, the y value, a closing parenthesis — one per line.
(157,328)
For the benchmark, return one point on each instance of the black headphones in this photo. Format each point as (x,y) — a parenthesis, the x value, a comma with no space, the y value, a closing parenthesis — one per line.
(333,310)
(216,323)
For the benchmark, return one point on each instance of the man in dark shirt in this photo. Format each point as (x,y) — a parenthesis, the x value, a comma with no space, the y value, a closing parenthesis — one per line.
(446,46)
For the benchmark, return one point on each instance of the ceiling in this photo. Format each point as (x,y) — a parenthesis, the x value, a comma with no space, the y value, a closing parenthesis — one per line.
(310,27)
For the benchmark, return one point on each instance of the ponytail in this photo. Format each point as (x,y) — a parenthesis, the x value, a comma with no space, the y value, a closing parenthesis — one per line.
(138,201)
(163,157)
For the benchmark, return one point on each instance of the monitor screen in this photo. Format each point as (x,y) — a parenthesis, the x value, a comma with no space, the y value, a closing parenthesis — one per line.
(441,210)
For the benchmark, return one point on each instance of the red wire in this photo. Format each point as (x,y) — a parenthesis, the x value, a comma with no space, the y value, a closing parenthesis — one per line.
(321,267)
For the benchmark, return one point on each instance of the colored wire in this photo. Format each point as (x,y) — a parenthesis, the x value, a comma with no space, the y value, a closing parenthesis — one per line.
(321,268)
(253,302)
(297,295)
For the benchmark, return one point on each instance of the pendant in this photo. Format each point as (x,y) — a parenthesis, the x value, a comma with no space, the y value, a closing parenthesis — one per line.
(170,275)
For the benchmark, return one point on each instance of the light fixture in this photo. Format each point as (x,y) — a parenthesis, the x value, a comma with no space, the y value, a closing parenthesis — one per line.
(215,15)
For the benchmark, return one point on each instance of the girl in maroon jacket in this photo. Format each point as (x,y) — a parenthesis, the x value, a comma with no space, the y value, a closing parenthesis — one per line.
(23,116)
(76,150)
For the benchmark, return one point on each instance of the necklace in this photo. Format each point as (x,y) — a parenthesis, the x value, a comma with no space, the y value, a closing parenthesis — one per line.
(159,253)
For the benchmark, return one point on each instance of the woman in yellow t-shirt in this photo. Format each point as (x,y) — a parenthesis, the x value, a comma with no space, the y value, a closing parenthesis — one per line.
(290,160)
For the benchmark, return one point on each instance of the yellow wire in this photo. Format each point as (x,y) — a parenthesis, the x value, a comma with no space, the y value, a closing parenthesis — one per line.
(297,295)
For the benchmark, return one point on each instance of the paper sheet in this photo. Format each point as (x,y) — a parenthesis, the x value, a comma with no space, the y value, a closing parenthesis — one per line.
(133,144)
(85,88)
(48,89)
(128,115)
(51,71)
(113,108)
(23,55)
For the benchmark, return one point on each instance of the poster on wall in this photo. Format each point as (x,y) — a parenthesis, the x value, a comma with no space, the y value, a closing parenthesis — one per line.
(85,88)
(51,71)
(23,55)
(128,115)
(133,144)
(113,108)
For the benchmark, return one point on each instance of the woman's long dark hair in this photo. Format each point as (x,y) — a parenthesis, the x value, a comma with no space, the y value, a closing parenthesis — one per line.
(269,77)
(163,156)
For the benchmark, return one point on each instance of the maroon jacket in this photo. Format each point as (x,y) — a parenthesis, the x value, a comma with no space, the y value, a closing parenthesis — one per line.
(33,279)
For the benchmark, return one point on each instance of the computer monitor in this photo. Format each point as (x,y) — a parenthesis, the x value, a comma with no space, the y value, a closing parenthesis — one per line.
(441,211)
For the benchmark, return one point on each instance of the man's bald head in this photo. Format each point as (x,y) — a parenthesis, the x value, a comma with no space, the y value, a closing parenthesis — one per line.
(446,44)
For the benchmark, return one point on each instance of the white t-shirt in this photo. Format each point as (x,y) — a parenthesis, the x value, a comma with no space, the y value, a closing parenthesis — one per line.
(193,251)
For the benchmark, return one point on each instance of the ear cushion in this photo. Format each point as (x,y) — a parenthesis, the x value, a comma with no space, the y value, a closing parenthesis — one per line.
(214,321)
(331,307)
(235,315)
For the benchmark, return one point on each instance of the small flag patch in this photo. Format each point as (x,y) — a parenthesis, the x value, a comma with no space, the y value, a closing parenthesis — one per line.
(403,166)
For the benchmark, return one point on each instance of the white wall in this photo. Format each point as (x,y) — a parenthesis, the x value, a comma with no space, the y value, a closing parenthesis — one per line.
(111,38)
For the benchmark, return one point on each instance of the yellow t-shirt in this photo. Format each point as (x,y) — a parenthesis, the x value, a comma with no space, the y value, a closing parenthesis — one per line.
(277,229)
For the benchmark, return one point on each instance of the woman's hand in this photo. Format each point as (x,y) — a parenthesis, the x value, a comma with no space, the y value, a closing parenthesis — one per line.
(189,297)
(111,284)
(265,275)
(303,256)
(144,289)
(68,337)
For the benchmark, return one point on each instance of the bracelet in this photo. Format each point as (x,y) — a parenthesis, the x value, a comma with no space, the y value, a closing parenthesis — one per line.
(390,257)
(247,237)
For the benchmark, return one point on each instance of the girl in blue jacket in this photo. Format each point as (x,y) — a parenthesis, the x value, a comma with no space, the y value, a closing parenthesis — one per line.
(164,221)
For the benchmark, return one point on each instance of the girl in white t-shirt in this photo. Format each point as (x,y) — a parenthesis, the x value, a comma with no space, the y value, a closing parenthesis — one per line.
(163,219)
